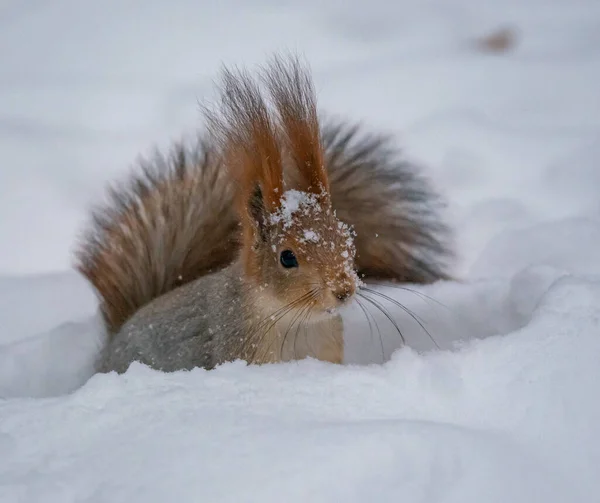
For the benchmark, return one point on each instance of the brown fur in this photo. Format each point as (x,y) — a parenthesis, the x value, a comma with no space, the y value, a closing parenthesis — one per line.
(151,236)
(396,214)
(178,217)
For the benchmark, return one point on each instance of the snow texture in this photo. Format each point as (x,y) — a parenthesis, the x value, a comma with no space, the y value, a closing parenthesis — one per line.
(294,202)
(504,409)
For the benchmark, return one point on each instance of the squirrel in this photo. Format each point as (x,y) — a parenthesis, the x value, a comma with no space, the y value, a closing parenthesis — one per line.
(246,243)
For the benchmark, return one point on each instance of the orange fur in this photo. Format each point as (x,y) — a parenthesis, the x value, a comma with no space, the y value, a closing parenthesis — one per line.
(294,97)
(246,133)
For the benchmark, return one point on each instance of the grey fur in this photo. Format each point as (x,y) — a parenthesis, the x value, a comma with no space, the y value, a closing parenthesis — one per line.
(191,326)
(208,322)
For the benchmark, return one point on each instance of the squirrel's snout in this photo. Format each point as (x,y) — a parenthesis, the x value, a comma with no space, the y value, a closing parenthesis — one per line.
(343,288)
(343,294)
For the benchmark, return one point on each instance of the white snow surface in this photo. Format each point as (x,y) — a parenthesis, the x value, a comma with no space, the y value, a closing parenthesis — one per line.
(506,409)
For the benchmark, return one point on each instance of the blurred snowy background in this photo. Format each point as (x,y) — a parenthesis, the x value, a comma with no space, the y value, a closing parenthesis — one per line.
(498,99)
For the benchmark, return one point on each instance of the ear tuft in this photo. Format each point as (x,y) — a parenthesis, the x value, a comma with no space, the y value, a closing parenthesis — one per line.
(244,130)
(293,94)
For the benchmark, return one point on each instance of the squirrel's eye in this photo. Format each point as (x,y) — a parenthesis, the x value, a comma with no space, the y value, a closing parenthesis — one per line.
(288,259)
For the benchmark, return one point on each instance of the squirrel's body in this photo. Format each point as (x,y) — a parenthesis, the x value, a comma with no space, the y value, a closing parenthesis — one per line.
(237,247)
(175,331)
(206,322)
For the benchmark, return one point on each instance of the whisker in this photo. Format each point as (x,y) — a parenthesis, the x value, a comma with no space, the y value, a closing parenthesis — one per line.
(271,326)
(366,316)
(272,320)
(417,293)
(309,349)
(282,311)
(418,319)
(304,299)
(429,300)
(301,311)
(366,313)
(384,311)
(302,324)
(405,309)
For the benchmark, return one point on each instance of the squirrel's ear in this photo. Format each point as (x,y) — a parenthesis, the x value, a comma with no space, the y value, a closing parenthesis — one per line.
(257,212)
(293,94)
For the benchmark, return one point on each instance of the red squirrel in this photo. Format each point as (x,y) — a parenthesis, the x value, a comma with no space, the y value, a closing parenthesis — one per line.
(246,244)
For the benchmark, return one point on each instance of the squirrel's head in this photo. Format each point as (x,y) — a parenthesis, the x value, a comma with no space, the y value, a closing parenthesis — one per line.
(300,255)
(295,250)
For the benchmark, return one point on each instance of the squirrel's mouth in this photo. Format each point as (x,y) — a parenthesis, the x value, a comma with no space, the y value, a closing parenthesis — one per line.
(337,303)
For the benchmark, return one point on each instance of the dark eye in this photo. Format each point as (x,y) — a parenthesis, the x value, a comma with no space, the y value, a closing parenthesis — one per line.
(288,259)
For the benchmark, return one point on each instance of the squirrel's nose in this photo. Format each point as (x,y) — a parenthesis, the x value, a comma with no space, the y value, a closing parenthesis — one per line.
(343,294)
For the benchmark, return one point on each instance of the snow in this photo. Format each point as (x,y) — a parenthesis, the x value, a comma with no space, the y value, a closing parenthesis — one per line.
(505,407)
(310,235)
(294,202)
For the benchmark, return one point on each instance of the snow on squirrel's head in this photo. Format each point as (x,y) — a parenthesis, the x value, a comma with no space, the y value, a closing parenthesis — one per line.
(295,249)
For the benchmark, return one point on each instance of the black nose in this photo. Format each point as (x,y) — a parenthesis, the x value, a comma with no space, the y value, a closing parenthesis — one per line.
(343,295)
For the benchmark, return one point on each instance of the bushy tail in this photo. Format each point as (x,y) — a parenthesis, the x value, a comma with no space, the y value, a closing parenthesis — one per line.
(395,211)
(169,224)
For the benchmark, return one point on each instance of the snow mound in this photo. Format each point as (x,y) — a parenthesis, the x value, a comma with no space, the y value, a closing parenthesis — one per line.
(418,428)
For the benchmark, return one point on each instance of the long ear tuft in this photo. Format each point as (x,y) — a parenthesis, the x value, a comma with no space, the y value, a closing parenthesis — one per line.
(293,94)
(247,137)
